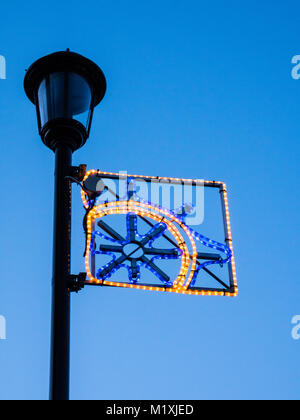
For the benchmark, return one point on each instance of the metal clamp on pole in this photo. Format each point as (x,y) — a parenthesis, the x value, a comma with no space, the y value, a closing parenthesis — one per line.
(78,172)
(77,282)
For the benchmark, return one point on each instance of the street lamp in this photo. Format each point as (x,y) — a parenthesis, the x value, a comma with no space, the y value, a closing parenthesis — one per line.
(65,87)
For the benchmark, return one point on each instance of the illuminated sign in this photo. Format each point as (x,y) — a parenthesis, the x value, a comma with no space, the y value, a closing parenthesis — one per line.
(128,237)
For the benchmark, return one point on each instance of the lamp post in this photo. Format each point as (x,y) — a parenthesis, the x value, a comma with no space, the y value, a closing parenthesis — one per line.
(65,87)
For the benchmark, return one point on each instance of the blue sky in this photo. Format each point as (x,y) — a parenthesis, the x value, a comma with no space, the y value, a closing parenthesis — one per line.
(195,90)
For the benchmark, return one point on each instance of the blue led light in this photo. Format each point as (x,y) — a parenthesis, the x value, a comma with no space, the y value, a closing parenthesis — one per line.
(107,238)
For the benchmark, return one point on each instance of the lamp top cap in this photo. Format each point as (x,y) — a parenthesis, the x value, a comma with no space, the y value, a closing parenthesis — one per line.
(65,61)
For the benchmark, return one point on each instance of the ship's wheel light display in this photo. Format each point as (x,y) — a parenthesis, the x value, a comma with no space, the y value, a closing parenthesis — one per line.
(140,253)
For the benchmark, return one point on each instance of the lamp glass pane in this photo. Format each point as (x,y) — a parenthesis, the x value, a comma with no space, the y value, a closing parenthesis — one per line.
(65,95)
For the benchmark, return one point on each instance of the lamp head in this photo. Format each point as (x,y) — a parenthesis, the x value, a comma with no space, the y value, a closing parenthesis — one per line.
(65,87)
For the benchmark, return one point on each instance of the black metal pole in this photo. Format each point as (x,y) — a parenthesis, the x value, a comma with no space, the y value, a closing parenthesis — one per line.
(60,341)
